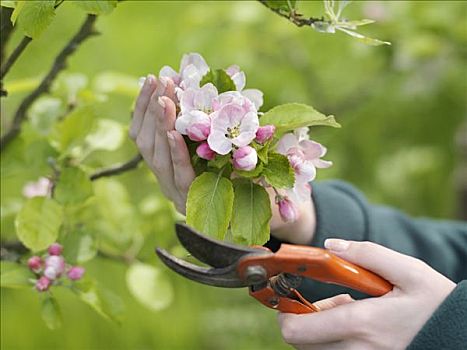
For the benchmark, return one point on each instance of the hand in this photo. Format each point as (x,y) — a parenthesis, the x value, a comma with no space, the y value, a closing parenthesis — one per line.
(163,148)
(166,154)
(387,322)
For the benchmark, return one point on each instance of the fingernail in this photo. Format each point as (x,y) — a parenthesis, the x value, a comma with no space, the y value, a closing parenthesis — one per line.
(171,137)
(164,81)
(337,245)
(161,102)
(151,79)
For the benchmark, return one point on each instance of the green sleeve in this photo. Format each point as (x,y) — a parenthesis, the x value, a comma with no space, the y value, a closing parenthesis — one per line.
(343,212)
(447,327)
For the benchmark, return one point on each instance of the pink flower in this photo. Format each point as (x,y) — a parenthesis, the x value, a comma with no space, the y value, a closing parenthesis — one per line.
(43,284)
(192,69)
(54,266)
(232,125)
(55,249)
(76,273)
(35,263)
(198,99)
(245,158)
(195,124)
(40,188)
(233,97)
(265,133)
(205,152)
(287,209)
(239,79)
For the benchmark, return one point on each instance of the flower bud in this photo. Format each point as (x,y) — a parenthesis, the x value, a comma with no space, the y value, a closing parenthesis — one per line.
(76,273)
(287,210)
(55,249)
(35,263)
(199,131)
(54,267)
(265,133)
(205,152)
(43,284)
(245,158)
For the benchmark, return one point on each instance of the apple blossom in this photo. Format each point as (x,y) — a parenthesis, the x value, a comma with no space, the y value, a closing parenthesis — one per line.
(198,99)
(55,249)
(40,188)
(232,126)
(54,266)
(43,284)
(265,133)
(245,158)
(205,152)
(287,209)
(35,263)
(75,273)
(239,79)
(195,124)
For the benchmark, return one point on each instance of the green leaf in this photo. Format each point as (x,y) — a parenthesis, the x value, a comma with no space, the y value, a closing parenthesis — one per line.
(149,286)
(295,115)
(252,173)
(220,79)
(278,171)
(262,150)
(108,136)
(44,113)
(97,7)
(18,8)
(13,275)
(103,301)
(80,246)
(38,223)
(282,5)
(34,16)
(251,213)
(209,204)
(73,186)
(51,313)
(72,131)
(219,161)
(8,3)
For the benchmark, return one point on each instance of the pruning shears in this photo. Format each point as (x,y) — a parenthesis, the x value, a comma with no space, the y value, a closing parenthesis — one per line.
(272,278)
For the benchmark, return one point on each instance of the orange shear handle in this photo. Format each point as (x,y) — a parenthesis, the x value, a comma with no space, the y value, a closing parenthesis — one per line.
(318,264)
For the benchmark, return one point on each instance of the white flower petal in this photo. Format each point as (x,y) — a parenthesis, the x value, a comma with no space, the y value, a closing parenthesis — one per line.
(219,143)
(255,96)
(286,142)
(239,80)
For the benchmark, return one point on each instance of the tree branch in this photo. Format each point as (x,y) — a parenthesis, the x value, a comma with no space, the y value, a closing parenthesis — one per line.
(5,33)
(292,16)
(118,169)
(14,56)
(86,31)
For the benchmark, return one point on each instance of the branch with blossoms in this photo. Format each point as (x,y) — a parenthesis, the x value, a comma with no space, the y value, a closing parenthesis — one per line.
(238,151)
(331,22)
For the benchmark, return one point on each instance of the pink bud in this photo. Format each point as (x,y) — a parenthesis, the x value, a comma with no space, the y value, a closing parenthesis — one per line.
(287,210)
(54,266)
(75,273)
(245,158)
(199,131)
(55,249)
(265,133)
(35,263)
(205,152)
(43,284)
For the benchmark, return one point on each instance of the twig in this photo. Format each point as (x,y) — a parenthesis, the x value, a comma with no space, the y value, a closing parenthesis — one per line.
(6,29)
(86,31)
(14,56)
(294,17)
(118,169)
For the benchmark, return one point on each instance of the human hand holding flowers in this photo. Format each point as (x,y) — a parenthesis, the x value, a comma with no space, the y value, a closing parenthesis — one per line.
(203,122)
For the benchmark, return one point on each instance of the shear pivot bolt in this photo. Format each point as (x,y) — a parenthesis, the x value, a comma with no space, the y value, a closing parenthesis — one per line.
(255,274)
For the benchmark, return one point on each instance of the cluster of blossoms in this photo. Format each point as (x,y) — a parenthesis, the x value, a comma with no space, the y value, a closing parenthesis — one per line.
(224,123)
(51,267)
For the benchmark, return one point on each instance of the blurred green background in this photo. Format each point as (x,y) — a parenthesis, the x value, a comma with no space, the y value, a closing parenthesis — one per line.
(400,107)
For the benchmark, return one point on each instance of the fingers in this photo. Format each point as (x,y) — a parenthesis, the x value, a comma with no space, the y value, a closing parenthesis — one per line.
(399,269)
(319,327)
(330,303)
(141,105)
(184,173)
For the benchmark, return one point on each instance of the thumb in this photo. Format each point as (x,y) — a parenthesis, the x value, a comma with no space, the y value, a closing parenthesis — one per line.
(399,269)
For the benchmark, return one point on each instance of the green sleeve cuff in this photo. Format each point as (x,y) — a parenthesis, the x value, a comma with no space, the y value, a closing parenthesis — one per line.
(447,327)
(340,212)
